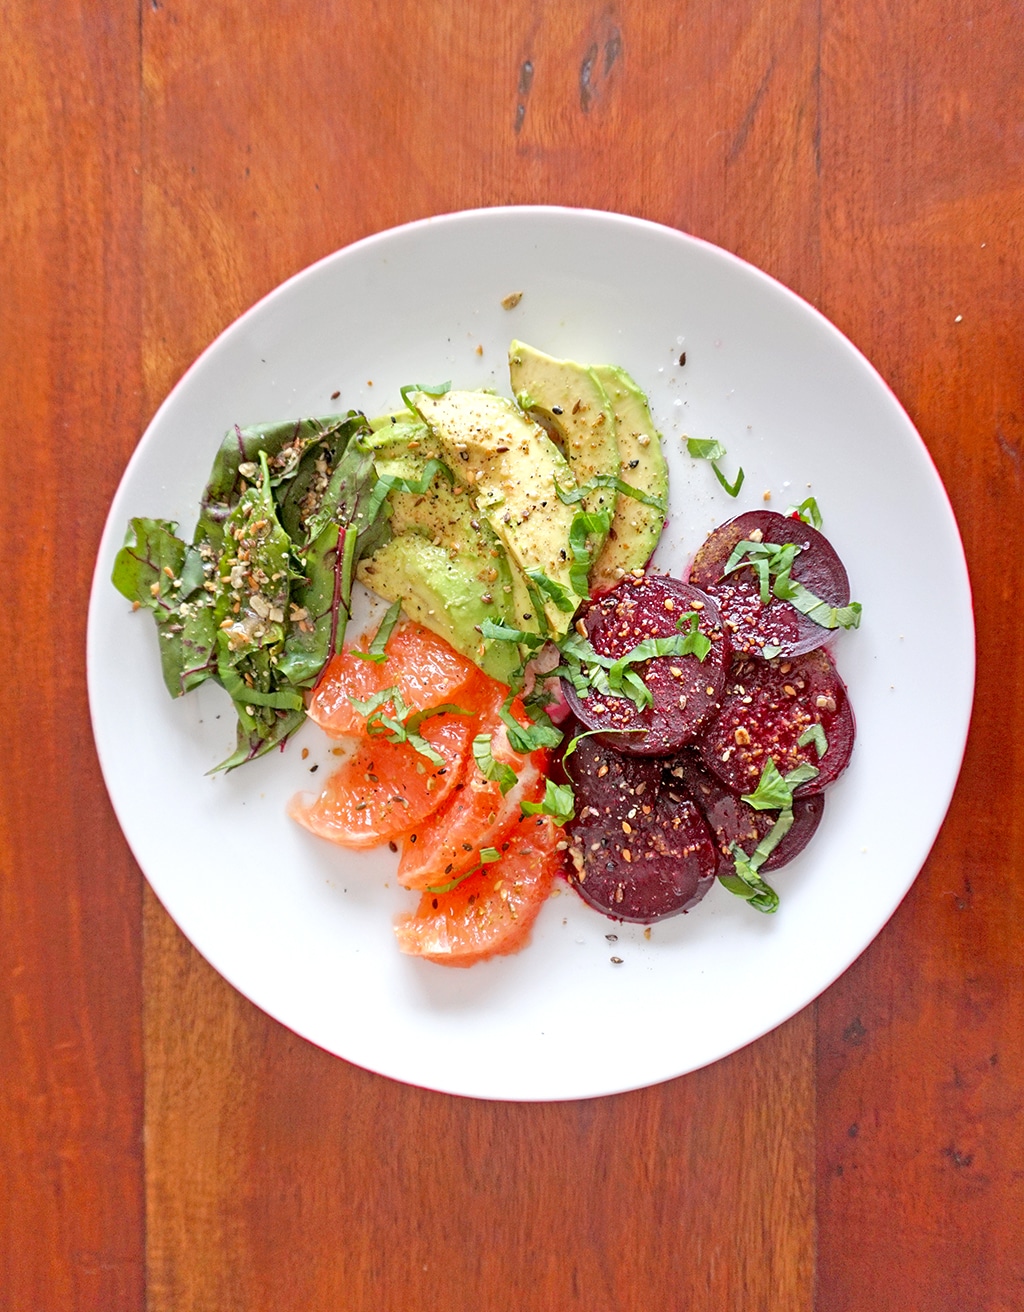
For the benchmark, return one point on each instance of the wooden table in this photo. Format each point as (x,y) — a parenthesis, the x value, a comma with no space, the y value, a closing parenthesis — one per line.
(165,1145)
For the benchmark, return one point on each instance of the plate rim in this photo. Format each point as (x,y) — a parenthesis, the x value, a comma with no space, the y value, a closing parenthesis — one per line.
(111,533)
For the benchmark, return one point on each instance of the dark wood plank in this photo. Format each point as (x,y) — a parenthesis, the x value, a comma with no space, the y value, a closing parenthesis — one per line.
(278,1176)
(921,1137)
(71,1222)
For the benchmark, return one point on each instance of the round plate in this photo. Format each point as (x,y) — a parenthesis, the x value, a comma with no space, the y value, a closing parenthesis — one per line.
(303,928)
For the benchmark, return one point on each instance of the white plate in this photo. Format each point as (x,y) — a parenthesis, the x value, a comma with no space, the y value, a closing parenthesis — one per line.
(304,929)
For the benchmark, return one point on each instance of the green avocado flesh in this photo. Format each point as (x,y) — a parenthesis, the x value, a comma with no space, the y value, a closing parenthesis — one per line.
(512,471)
(489,537)
(570,401)
(636,527)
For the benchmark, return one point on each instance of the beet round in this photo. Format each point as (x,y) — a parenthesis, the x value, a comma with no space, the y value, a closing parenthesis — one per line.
(608,783)
(751,625)
(731,820)
(685,690)
(767,707)
(639,852)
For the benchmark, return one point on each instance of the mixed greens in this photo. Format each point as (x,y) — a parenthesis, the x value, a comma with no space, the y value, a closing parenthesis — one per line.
(260,598)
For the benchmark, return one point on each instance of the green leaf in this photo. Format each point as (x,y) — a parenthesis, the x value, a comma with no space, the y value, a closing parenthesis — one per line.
(159,573)
(488,855)
(428,389)
(343,531)
(816,735)
(704,448)
(808,511)
(584,525)
(529,738)
(375,652)
(558,802)
(570,496)
(494,771)
(774,792)
(264,735)
(553,591)
(291,449)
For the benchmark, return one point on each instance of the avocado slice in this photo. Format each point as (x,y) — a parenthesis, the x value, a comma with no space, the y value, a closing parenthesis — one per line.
(512,470)
(571,403)
(636,527)
(442,562)
(444,592)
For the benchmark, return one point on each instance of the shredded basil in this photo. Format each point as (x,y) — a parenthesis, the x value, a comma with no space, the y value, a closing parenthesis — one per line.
(585,525)
(494,771)
(428,389)
(589,672)
(816,735)
(497,631)
(774,791)
(746,883)
(403,726)
(553,591)
(447,888)
(375,652)
(528,738)
(570,496)
(388,483)
(808,511)
(711,450)
(773,562)
(559,803)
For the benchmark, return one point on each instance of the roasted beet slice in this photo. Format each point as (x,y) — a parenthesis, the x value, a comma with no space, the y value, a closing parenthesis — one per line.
(640,852)
(685,689)
(608,783)
(767,707)
(751,625)
(647,868)
(731,820)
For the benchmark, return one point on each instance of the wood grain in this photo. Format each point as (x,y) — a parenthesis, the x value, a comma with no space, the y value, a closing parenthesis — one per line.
(555,1206)
(163,166)
(281,1177)
(71,1220)
(920,1065)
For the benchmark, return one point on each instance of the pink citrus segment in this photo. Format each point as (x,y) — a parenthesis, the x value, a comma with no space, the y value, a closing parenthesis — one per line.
(492,912)
(426,671)
(385,789)
(477,815)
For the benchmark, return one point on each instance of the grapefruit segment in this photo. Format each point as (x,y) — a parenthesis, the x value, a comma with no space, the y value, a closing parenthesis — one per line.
(425,670)
(476,815)
(385,789)
(491,912)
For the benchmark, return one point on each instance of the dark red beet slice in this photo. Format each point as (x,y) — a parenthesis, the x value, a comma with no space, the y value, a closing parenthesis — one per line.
(685,689)
(608,783)
(664,865)
(733,821)
(750,624)
(638,853)
(766,708)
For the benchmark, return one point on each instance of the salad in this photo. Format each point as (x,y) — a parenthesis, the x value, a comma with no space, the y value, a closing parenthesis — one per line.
(537,701)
